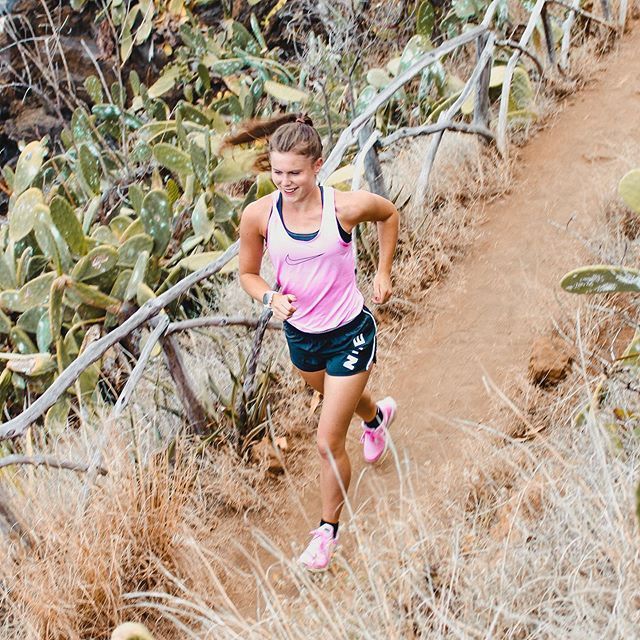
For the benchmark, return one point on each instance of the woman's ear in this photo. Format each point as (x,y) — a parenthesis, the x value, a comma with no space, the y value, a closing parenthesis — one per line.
(317,165)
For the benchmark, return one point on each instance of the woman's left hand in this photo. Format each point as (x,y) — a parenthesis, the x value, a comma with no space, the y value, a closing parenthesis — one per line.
(381,288)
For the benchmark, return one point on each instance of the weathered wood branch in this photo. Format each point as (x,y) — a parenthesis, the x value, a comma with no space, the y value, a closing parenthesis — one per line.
(20,423)
(197,417)
(565,45)
(447,116)
(249,384)
(514,45)
(428,129)
(366,143)
(138,370)
(481,102)
(372,167)
(501,134)
(586,14)
(548,35)
(218,321)
(47,461)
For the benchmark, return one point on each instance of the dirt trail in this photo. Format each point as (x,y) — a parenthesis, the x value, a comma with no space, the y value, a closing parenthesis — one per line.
(482,320)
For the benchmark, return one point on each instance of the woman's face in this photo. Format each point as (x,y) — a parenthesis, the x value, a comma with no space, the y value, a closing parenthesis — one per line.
(293,174)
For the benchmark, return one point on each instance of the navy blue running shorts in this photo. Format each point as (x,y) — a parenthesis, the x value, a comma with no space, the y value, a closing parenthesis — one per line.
(343,351)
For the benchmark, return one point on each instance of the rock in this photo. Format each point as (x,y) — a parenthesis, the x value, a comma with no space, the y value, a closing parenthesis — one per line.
(31,124)
(265,453)
(549,362)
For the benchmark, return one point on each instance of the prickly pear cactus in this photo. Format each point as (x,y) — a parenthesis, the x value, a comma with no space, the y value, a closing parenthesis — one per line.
(601,279)
(629,190)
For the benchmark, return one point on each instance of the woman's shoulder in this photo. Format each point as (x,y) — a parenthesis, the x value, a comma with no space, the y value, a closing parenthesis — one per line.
(353,206)
(256,214)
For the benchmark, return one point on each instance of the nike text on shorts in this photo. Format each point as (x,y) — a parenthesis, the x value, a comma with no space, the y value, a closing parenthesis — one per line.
(343,351)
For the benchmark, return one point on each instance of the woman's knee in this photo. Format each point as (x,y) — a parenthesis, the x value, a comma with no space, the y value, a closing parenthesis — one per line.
(330,448)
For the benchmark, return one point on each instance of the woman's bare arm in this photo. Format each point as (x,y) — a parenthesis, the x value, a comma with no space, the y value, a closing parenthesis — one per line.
(252,236)
(361,206)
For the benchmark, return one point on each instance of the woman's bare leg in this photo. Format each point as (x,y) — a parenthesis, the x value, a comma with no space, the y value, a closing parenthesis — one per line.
(366,407)
(342,394)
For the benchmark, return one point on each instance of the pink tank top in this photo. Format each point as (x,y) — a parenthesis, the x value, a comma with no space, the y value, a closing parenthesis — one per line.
(320,272)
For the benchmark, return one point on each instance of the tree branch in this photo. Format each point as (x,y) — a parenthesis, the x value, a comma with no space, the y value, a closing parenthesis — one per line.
(47,461)
(138,370)
(584,13)
(218,321)
(514,45)
(462,127)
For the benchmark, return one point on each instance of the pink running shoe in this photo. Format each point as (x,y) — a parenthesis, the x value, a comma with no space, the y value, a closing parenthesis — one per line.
(375,441)
(317,555)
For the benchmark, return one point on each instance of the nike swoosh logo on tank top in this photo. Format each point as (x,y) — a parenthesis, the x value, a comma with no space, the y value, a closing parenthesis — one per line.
(294,261)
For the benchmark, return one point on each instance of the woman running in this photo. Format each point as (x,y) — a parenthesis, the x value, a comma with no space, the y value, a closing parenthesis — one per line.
(330,333)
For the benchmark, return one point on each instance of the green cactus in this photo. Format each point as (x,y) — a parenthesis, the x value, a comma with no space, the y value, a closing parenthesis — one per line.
(56,308)
(89,172)
(601,279)
(156,218)
(172,158)
(64,217)
(78,293)
(97,262)
(21,341)
(56,419)
(137,276)
(200,222)
(22,215)
(5,323)
(28,166)
(51,242)
(30,318)
(93,87)
(629,190)
(36,365)
(129,251)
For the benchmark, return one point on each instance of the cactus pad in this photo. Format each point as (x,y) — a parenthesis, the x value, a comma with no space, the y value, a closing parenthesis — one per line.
(21,341)
(629,190)
(22,214)
(89,169)
(29,163)
(36,365)
(172,158)
(30,318)
(137,276)
(601,279)
(64,217)
(33,293)
(56,309)
(129,251)
(80,293)
(98,261)
(200,222)
(156,218)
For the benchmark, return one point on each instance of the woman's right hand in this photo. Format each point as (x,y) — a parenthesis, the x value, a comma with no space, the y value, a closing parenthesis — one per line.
(282,307)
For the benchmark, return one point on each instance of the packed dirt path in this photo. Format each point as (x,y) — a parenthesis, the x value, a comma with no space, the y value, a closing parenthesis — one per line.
(481,321)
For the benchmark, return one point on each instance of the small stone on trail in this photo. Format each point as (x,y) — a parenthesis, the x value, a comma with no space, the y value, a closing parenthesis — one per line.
(549,362)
